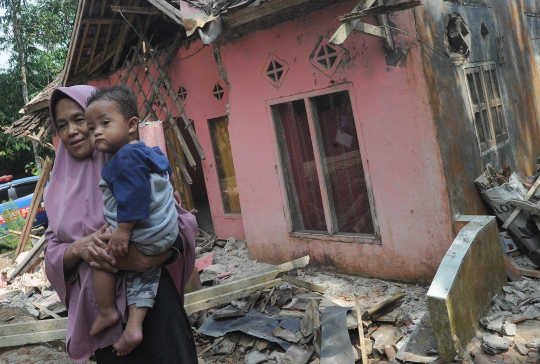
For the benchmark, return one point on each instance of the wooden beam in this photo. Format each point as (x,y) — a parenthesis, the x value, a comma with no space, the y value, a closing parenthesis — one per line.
(122,38)
(178,161)
(100,21)
(251,13)
(39,141)
(379,10)
(134,10)
(168,10)
(345,29)
(36,201)
(81,47)
(98,32)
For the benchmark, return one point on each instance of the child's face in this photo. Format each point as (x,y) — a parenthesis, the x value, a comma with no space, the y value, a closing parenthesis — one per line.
(109,129)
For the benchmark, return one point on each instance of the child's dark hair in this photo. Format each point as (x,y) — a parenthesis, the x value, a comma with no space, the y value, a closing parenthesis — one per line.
(123,96)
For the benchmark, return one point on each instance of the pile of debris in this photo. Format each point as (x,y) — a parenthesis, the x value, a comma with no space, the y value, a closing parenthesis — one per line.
(296,323)
(511,326)
(515,200)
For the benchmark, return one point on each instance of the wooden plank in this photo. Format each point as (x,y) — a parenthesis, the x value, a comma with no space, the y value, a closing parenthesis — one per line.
(168,10)
(33,327)
(370,30)
(516,212)
(46,167)
(303,284)
(347,28)
(379,10)
(34,338)
(134,10)
(382,306)
(46,310)
(361,330)
(98,32)
(221,289)
(29,259)
(178,161)
(529,272)
(39,141)
(251,13)
(228,297)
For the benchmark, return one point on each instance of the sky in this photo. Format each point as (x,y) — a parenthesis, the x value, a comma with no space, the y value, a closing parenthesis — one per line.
(3,55)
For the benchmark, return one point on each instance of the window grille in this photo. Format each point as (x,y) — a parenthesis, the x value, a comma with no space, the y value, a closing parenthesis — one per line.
(486,104)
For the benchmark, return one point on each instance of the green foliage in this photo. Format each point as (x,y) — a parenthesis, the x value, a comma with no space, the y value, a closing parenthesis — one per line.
(14,221)
(45,28)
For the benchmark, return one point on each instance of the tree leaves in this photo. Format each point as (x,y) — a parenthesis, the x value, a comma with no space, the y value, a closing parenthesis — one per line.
(45,26)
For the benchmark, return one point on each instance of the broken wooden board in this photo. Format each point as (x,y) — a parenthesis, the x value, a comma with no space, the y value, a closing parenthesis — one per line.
(29,259)
(32,332)
(516,212)
(391,302)
(361,330)
(380,10)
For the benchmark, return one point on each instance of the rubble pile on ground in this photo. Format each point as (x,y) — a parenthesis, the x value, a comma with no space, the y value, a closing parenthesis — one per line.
(511,326)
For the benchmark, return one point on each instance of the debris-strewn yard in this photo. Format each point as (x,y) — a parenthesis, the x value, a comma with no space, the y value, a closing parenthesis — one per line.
(309,316)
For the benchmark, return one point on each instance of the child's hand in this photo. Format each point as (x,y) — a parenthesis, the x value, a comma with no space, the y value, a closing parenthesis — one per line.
(118,244)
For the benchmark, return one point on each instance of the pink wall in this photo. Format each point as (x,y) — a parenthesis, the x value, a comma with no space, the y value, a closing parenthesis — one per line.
(396,130)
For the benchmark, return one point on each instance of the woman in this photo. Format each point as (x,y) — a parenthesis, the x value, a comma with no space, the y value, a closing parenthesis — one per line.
(77,235)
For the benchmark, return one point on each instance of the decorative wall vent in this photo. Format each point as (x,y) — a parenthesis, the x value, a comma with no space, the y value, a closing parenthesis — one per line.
(274,70)
(484,32)
(327,57)
(182,93)
(218,91)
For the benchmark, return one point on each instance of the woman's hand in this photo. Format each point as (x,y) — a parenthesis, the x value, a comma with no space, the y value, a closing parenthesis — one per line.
(91,249)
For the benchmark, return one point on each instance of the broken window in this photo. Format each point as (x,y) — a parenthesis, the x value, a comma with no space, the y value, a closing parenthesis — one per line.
(486,103)
(219,133)
(322,166)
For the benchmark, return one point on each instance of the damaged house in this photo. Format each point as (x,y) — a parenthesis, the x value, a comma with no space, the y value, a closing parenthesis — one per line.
(348,131)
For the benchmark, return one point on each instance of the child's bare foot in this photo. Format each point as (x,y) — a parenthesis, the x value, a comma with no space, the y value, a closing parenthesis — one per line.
(105,319)
(131,337)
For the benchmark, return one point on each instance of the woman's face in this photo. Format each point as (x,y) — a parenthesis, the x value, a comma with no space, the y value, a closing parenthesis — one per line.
(72,128)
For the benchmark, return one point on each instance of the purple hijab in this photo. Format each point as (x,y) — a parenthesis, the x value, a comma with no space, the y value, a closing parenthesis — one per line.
(74,207)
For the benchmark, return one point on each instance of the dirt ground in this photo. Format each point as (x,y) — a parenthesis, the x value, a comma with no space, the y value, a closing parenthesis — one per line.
(340,288)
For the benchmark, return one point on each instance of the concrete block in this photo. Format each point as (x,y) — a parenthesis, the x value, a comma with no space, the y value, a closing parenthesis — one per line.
(470,274)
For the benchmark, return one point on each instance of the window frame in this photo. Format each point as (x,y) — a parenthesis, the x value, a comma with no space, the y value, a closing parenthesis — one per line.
(288,191)
(494,141)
